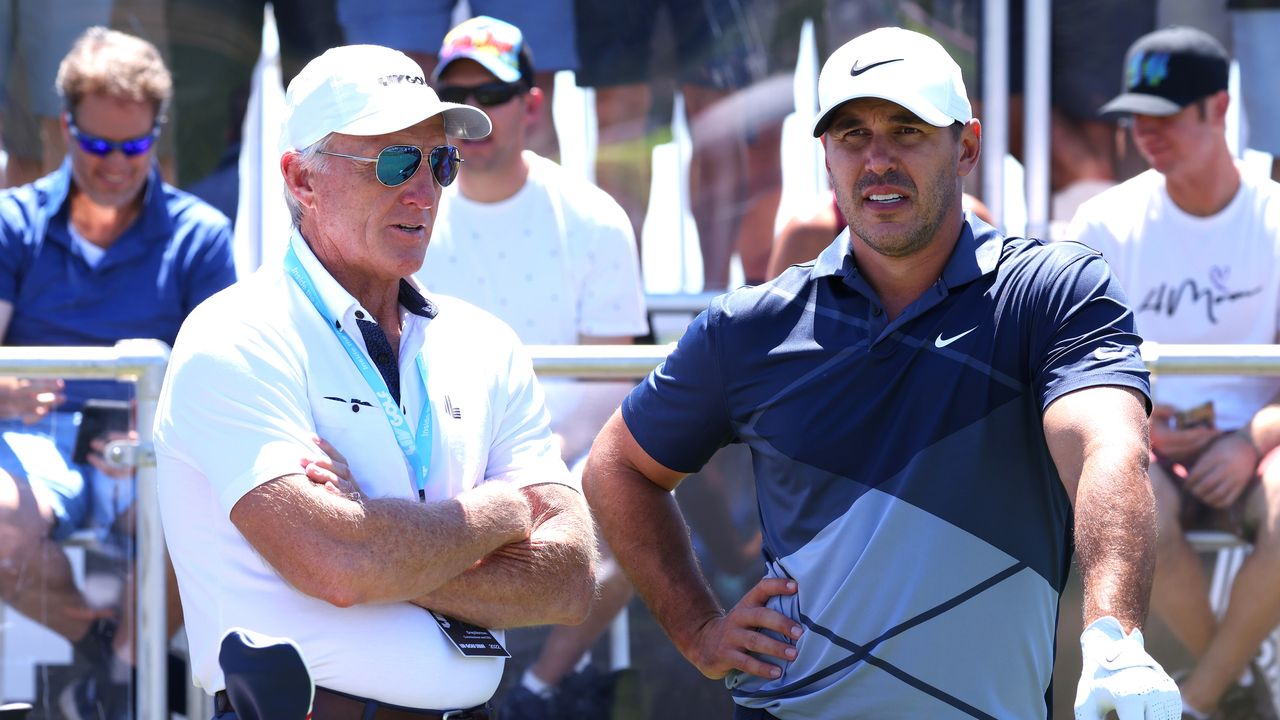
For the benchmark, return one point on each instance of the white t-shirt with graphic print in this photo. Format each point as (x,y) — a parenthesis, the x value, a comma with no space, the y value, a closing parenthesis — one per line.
(1191,279)
(555,261)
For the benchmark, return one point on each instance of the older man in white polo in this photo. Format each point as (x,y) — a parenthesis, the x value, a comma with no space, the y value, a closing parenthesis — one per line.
(393,578)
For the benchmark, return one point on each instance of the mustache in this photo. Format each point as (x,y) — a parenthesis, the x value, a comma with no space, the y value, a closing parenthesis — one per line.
(893,177)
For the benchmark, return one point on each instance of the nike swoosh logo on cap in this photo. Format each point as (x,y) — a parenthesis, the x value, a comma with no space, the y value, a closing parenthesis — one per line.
(856,71)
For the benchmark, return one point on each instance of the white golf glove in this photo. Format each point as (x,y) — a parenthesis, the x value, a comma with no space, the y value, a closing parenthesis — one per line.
(1119,675)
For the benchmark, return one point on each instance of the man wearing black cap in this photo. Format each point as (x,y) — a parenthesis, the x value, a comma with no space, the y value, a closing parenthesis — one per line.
(1194,243)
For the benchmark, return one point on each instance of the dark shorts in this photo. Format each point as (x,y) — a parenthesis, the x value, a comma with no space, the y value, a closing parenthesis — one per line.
(717,43)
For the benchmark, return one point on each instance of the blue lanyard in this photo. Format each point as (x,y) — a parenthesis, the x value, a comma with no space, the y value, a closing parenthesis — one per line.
(417,451)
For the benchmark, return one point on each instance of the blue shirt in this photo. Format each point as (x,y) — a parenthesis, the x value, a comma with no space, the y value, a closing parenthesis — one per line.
(901,469)
(174,255)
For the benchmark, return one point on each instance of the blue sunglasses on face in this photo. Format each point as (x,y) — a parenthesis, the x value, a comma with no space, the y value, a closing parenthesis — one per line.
(103,147)
(397,163)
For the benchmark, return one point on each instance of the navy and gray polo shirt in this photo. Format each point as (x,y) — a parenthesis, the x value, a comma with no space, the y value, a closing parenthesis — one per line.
(901,469)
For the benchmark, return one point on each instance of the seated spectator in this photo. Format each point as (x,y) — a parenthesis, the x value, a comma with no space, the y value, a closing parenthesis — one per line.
(99,251)
(552,256)
(1193,242)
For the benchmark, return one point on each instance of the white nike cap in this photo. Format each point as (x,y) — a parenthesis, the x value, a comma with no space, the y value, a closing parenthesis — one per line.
(367,90)
(897,65)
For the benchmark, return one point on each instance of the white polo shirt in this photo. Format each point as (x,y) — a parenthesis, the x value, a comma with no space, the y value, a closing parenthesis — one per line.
(254,372)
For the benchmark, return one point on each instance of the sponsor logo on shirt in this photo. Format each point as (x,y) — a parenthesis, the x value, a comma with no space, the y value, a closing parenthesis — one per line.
(356,403)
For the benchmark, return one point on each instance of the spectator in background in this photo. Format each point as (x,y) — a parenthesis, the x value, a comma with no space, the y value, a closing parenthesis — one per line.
(722,47)
(1255,25)
(1194,241)
(462,515)
(933,410)
(417,27)
(99,251)
(34,37)
(553,257)
(214,46)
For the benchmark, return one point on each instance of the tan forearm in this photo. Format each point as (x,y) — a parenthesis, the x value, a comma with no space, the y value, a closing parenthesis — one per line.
(549,578)
(647,534)
(1115,538)
(356,551)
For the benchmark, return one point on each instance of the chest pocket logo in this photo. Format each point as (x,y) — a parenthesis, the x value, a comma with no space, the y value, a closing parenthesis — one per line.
(356,403)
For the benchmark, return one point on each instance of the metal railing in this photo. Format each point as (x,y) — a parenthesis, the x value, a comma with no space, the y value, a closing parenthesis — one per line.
(635,361)
(143,363)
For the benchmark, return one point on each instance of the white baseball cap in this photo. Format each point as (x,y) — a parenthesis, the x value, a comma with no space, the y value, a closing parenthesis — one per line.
(897,65)
(367,90)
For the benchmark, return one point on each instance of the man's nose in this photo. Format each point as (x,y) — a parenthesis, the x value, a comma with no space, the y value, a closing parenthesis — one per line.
(422,189)
(881,156)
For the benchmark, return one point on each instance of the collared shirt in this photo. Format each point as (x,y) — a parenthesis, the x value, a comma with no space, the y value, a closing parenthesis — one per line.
(257,370)
(174,255)
(901,468)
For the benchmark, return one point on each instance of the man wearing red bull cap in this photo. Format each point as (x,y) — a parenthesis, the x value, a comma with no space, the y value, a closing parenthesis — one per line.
(554,257)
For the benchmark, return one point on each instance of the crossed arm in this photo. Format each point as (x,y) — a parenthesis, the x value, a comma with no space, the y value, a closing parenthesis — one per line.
(495,555)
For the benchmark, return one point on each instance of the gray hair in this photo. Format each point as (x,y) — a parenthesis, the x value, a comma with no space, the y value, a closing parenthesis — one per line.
(312,159)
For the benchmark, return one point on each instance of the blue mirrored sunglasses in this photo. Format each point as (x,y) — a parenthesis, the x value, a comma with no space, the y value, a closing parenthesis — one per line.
(397,163)
(102,147)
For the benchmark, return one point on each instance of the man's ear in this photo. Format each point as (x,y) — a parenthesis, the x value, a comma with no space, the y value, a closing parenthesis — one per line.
(297,179)
(1219,102)
(970,146)
(533,103)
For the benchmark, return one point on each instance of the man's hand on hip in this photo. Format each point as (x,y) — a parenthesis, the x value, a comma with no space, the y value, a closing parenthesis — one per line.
(1119,675)
(727,642)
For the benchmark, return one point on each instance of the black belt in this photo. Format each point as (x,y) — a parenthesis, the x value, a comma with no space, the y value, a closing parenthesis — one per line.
(334,705)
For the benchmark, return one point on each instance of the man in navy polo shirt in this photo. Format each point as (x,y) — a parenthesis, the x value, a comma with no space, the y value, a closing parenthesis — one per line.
(100,251)
(932,408)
